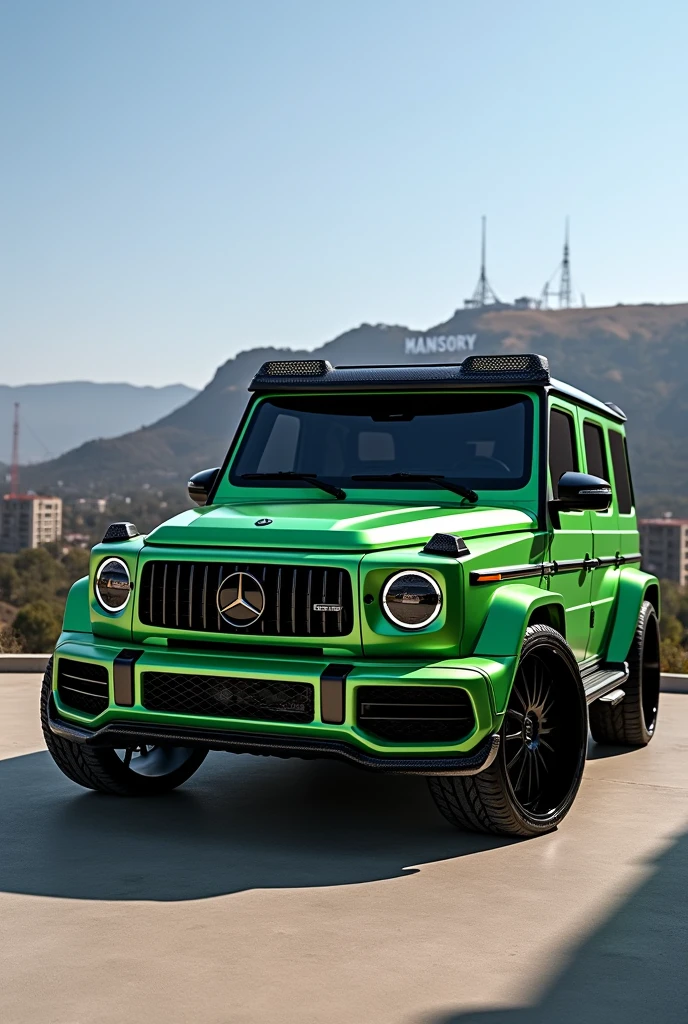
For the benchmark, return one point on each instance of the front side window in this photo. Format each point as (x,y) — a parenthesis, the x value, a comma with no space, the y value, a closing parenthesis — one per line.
(478,440)
(595,454)
(563,456)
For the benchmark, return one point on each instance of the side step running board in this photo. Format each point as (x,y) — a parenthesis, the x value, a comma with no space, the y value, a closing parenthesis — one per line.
(613,698)
(601,679)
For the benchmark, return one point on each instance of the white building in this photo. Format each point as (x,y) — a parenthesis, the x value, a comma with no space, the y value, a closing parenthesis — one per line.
(29,520)
(664,545)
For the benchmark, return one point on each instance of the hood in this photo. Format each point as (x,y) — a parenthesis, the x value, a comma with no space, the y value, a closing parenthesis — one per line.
(337,526)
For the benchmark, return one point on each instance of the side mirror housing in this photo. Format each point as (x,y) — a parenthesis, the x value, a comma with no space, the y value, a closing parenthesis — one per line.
(580,492)
(201,484)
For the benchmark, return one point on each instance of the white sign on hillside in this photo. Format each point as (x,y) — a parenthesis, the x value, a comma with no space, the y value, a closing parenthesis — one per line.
(440,343)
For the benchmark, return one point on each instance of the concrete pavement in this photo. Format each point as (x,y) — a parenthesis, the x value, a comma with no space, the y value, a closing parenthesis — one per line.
(314,893)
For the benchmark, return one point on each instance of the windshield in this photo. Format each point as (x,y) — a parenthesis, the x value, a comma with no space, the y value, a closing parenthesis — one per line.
(479,440)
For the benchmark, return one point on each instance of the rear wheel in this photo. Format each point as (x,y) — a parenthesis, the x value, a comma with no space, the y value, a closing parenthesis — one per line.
(143,770)
(631,722)
(532,783)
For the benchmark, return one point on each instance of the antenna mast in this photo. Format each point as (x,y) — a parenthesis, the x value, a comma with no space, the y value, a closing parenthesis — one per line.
(564,294)
(14,471)
(484,294)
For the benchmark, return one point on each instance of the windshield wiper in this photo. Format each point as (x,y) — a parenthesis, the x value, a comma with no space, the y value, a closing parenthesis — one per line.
(308,478)
(431,478)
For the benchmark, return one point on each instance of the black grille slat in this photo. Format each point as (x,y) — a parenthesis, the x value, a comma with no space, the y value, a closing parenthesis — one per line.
(415,714)
(83,686)
(225,697)
(183,596)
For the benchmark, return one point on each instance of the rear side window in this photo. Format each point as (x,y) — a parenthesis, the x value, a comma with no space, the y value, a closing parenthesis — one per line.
(562,447)
(595,455)
(622,477)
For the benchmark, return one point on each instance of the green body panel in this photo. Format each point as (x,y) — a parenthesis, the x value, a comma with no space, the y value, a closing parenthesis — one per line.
(473,643)
(633,588)
(77,618)
(333,525)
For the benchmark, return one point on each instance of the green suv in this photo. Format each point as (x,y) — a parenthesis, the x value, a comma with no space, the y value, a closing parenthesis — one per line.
(426,570)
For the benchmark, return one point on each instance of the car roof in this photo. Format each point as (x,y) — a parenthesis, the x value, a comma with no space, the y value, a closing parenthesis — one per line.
(500,370)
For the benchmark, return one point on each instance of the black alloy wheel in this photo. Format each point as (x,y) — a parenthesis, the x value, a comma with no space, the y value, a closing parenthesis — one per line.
(542,737)
(143,770)
(530,786)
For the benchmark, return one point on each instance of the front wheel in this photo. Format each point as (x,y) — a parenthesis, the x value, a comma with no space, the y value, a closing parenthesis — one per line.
(144,770)
(532,783)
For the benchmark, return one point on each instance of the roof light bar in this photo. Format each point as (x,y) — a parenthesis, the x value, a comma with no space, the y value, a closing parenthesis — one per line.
(510,369)
(295,368)
(523,367)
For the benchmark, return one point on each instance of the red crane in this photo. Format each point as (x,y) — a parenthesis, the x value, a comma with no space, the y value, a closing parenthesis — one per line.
(14,471)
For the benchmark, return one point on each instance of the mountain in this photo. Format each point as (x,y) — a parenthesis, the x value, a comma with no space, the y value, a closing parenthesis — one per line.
(636,356)
(57,417)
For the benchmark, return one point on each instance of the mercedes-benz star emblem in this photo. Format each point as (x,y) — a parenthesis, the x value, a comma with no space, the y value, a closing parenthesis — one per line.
(263,522)
(240,599)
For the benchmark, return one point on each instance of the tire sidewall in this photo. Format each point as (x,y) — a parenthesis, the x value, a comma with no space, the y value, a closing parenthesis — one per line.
(545,637)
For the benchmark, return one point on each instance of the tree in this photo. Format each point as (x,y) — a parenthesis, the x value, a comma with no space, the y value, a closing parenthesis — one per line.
(40,576)
(38,624)
(9,579)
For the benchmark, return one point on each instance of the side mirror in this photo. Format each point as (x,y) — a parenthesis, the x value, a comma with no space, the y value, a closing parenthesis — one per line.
(580,492)
(201,484)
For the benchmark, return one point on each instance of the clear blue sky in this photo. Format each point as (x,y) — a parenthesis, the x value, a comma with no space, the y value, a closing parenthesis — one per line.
(181,180)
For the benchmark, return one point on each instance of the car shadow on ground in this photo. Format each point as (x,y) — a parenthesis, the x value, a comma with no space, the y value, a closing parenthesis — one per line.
(241,822)
(632,969)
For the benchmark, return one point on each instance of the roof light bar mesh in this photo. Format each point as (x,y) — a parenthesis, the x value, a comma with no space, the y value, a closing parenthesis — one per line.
(295,368)
(523,367)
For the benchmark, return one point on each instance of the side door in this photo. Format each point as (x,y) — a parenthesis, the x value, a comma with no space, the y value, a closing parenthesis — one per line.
(605,540)
(571,539)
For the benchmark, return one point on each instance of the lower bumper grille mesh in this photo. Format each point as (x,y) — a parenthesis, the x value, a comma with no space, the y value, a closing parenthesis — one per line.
(224,697)
(83,686)
(415,714)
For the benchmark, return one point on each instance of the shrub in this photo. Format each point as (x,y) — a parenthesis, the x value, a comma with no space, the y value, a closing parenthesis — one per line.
(10,641)
(38,624)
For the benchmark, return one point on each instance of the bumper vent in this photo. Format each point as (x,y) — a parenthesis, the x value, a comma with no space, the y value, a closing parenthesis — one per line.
(415,714)
(223,697)
(83,686)
(183,595)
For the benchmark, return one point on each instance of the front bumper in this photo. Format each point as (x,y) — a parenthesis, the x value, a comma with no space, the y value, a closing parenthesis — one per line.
(119,726)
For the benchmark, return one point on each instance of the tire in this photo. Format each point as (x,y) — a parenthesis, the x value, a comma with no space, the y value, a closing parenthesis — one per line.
(141,771)
(631,723)
(532,783)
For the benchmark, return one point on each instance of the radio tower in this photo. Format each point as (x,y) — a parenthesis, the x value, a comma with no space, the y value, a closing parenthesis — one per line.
(565,292)
(484,294)
(14,471)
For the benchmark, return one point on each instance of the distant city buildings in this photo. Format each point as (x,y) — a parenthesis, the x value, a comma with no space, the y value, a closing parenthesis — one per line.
(29,520)
(93,504)
(664,546)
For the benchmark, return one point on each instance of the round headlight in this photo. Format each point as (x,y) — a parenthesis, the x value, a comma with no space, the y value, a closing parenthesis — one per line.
(411,599)
(113,585)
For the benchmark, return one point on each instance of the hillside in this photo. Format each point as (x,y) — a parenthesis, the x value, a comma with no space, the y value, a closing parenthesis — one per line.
(636,356)
(57,417)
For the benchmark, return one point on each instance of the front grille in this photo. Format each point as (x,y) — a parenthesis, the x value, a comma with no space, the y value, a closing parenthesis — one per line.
(82,685)
(183,595)
(224,697)
(415,714)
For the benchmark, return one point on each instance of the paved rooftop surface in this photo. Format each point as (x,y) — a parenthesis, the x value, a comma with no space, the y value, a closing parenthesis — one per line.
(269,891)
